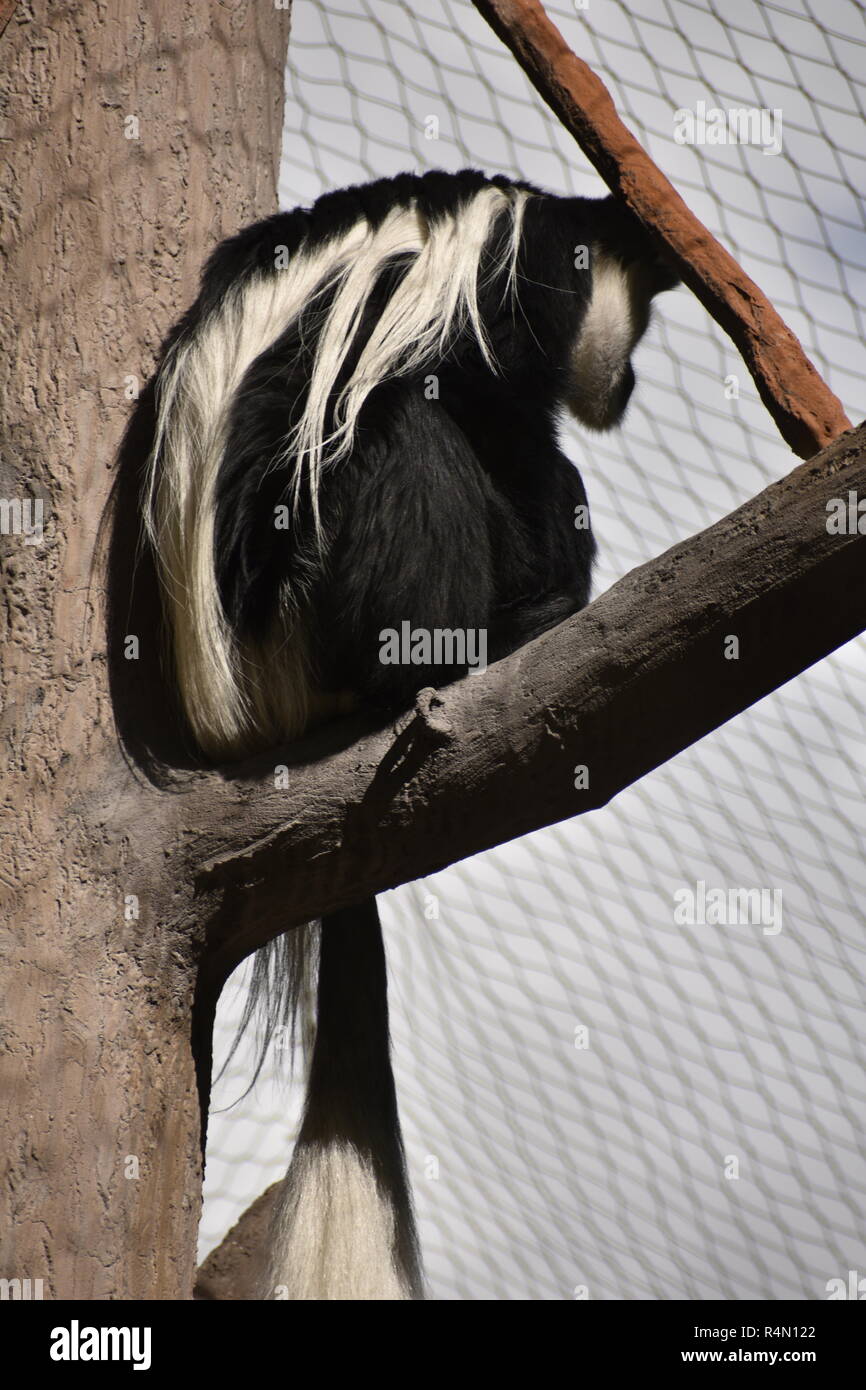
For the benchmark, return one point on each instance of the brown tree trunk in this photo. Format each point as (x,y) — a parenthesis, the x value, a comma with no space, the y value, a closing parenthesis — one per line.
(134,136)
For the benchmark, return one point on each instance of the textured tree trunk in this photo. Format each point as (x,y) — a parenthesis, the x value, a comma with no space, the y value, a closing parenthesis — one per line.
(133,137)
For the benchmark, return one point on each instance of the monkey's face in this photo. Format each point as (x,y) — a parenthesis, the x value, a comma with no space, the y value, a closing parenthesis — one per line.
(601,378)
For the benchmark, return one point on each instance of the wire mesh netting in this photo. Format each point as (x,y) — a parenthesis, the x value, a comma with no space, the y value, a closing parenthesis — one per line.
(599,1099)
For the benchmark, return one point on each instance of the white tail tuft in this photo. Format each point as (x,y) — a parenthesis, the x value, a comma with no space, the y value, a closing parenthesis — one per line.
(334,1235)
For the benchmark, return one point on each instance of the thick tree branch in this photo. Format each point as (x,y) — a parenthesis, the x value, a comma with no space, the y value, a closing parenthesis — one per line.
(493,756)
(807,413)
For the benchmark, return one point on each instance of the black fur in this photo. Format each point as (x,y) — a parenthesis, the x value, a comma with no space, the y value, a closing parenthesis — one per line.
(451,512)
(456,512)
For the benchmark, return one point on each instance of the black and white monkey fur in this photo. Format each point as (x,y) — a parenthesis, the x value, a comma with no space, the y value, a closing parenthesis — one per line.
(308,489)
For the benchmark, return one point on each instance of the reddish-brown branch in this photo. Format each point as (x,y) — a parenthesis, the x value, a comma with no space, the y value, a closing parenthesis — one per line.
(807,413)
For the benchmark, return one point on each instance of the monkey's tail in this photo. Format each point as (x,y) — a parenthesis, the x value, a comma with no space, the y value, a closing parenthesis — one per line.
(344,1226)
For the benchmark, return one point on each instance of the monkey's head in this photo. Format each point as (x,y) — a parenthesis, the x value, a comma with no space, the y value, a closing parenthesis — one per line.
(625,272)
(586,277)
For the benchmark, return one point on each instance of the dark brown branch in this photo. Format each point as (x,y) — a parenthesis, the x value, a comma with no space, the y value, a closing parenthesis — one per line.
(807,413)
(621,688)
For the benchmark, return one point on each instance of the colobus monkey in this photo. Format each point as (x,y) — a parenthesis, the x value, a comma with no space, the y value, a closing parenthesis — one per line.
(357,428)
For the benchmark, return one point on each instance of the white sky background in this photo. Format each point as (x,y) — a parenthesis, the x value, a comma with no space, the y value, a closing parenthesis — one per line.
(604,1167)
